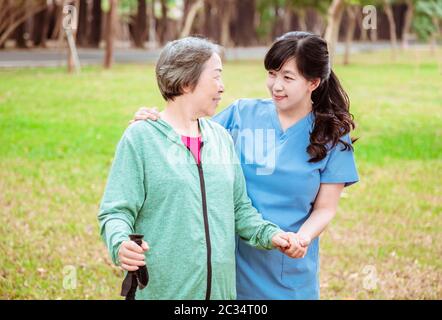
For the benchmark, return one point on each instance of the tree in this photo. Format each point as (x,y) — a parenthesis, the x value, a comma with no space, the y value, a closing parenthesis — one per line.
(287,17)
(140,25)
(359,18)
(40,28)
(111,21)
(244,22)
(83,23)
(354,16)
(15,12)
(95,34)
(71,34)
(210,26)
(190,15)
(301,19)
(152,25)
(278,18)
(334,17)
(407,23)
(303,8)
(392,25)
(268,16)
(58,20)
(352,12)
(226,7)
(163,22)
(427,20)
(20,36)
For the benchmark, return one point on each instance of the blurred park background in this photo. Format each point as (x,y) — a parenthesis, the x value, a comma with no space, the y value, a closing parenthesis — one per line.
(61,118)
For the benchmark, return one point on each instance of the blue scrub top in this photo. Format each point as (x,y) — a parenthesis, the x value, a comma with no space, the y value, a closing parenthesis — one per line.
(282,185)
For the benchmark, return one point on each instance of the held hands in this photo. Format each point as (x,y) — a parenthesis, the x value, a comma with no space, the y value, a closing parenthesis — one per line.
(131,255)
(144,113)
(291,244)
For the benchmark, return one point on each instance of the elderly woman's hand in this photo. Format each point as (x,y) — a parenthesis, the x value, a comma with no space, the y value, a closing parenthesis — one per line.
(281,241)
(131,255)
(144,113)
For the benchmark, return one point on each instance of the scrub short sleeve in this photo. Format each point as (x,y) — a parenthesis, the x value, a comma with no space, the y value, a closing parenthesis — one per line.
(228,116)
(340,166)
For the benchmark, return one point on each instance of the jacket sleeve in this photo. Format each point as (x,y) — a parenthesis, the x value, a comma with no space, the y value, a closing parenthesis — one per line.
(123,197)
(249,224)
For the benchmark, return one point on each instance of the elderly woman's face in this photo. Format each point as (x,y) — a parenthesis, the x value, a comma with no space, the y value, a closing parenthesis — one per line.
(209,88)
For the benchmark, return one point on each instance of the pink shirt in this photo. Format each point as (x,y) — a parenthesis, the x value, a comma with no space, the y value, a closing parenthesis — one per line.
(194,145)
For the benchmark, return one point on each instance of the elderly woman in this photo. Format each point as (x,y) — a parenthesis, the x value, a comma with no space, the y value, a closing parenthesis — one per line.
(178,182)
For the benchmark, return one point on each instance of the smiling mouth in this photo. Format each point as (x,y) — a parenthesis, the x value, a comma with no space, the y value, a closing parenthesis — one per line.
(279,97)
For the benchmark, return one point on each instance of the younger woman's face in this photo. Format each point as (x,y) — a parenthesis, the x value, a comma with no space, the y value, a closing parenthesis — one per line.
(288,87)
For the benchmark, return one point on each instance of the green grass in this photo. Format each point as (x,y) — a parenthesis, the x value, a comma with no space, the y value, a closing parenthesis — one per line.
(58,133)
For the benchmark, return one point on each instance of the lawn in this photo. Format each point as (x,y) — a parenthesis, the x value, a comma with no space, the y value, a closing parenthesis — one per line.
(58,134)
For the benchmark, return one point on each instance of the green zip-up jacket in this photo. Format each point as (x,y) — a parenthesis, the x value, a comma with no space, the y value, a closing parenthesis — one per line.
(188,212)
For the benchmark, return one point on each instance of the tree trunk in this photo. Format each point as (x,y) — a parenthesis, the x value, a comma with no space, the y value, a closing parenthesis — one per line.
(152,26)
(374,35)
(227,7)
(71,62)
(186,8)
(58,16)
(95,26)
(278,22)
(207,19)
(20,40)
(40,28)
(407,24)
(243,18)
(334,18)
(82,23)
(190,17)
(163,22)
(318,27)
(392,26)
(140,26)
(111,22)
(210,30)
(287,19)
(433,37)
(301,20)
(11,17)
(359,19)
(351,13)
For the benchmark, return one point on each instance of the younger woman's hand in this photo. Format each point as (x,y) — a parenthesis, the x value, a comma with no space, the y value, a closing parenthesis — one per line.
(144,113)
(298,245)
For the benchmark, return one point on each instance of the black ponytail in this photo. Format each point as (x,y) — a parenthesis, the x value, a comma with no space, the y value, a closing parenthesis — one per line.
(332,118)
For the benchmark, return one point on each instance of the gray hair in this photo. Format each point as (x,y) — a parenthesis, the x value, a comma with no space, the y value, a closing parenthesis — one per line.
(181,63)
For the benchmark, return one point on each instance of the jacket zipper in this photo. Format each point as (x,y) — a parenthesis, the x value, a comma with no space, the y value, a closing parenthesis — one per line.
(206,225)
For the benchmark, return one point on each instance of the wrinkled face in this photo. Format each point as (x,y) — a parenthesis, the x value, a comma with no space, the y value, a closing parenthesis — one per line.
(288,87)
(207,92)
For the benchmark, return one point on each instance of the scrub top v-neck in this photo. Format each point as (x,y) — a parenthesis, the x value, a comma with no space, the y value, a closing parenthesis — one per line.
(282,185)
